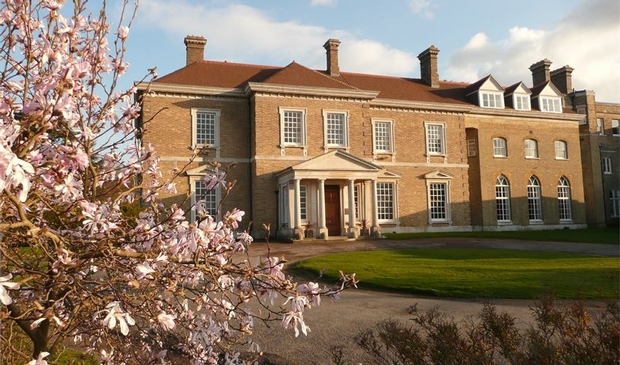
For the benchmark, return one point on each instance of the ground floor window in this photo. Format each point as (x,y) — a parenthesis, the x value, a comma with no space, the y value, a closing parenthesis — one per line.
(614,203)
(205,200)
(502,199)
(303,202)
(438,201)
(534,205)
(564,199)
(385,201)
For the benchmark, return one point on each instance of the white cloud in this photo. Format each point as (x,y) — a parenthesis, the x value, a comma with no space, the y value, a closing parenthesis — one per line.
(256,36)
(592,48)
(323,2)
(422,7)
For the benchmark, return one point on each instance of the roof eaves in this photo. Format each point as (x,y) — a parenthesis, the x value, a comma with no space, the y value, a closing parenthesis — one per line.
(306,90)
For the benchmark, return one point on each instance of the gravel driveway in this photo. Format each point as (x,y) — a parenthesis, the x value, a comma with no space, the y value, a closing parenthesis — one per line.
(335,323)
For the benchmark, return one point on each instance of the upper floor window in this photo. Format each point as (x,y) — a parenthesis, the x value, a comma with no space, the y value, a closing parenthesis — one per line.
(383,136)
(531,148)
(550,104)
(292,127)
(522,102)
(492,100)
(615,127)
(435,138)
(499,147)
(561,151)
(607,165)
(564,199)
(471,148)
(600,125)
(205,127)
(336,129)
(502,199)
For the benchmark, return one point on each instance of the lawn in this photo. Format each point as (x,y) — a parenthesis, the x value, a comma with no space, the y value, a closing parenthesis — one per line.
(591,235)
(475,273)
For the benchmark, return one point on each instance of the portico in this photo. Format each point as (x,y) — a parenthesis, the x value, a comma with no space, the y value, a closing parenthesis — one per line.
(334,194)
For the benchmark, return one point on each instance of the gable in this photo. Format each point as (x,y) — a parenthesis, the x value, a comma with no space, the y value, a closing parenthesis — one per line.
(437,174)
(298,75)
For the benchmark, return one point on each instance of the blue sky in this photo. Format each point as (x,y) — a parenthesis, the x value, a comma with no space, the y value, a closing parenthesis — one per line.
(475,37)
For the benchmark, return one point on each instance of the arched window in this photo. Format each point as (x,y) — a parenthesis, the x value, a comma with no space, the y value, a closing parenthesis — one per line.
(531,148)
(502,199)
(564,199)
(534,205)
(499,147)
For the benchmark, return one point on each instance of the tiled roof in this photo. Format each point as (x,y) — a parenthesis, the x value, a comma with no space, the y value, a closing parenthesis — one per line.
(218,74)
(298,75)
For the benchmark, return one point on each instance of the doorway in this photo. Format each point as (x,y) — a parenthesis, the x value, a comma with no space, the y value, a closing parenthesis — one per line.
(332,210)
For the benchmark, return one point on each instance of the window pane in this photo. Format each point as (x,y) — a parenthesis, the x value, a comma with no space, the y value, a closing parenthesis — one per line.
(303,202)
(385,201)
(437,198)
(614,202)
(560,150)
(335,129)
(502,199)
(205,198)
(531,148)
(615,127)
(434,137)
(533,199)
(293,125)
(205,128)
(499,147)
(383,142)
(564,199)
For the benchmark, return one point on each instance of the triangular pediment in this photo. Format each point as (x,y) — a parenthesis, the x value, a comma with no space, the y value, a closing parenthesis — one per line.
(438,175)
(200,170)
(546,89)
(295,74)
(487,83)
(337,161)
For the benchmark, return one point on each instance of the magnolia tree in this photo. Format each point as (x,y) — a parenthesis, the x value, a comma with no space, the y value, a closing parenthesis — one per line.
(138,288)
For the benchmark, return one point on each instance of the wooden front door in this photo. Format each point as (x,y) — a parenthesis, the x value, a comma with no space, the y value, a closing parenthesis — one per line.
(332,210)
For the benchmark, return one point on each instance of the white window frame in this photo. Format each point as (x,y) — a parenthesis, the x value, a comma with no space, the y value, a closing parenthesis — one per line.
(215,194)
(550,104)
(531,148)
(499,150)
(492,99)
(195,113)
(534,200)
(441,137)
(521,102)
(614,203)
(607,166)
(565,213)
(615,127)
(438,206)
(386,209)
(389,138)
(344,129)
(302,139)
(561,150)
(502,200)
(284,208)
(303,203)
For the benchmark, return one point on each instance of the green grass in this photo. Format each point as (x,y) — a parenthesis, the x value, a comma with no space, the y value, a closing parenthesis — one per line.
(590,235)
(475,273)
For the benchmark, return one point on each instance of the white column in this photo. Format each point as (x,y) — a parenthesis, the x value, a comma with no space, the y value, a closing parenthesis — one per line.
(375,212)
(352,226)
(322,224)
(297,205)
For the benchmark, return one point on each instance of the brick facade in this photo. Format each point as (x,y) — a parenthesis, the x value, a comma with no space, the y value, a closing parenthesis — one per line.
(282,185)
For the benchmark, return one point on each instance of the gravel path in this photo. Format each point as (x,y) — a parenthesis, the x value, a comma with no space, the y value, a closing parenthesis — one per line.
(337,323)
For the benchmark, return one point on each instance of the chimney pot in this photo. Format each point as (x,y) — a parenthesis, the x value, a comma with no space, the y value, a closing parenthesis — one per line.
(194,48)
(331,46)
(540,72)
(428,66)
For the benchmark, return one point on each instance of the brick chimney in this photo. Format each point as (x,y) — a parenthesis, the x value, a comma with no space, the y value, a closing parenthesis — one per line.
(562,79)
(331,46)
(194,48)
(428,66)
(540,72)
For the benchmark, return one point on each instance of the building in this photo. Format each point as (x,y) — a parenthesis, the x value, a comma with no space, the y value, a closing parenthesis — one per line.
(323,153)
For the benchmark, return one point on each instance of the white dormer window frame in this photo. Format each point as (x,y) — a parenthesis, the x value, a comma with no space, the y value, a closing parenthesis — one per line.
(335,129)
(491,99)
(521,102)
(551,104)
(205,128)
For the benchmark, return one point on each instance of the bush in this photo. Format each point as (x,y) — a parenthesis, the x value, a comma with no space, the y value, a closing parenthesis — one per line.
(559,335)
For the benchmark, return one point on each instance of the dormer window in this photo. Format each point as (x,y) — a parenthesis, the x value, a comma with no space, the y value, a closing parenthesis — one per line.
(491,100)
(521,102)
(550,104)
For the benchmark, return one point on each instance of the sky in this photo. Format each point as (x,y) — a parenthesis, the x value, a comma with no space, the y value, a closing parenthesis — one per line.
(475,37)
